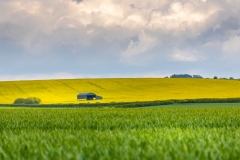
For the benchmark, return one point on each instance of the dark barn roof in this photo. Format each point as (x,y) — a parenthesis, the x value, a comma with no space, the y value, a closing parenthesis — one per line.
(86,95)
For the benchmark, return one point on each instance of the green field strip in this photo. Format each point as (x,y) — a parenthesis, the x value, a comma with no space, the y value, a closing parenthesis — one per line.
(199,105)
(117,133)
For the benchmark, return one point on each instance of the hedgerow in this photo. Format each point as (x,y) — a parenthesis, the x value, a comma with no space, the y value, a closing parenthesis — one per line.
(135,104)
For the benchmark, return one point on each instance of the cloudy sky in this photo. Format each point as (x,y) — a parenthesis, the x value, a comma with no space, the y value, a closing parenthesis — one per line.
(42,39)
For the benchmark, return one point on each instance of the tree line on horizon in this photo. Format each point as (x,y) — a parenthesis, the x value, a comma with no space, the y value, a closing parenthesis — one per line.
(192,76)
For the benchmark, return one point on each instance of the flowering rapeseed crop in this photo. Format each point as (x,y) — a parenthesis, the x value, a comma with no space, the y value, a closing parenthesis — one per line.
(119,89)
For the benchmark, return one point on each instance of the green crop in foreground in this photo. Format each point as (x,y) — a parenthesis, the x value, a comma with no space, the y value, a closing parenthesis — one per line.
(151,133)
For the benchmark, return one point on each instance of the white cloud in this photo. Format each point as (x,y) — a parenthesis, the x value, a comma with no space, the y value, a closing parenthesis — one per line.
(48,16)
(190,16)
(61,75)
(65,75)
(136,50)
(231,49)
(132,31)
(189,55)
(232,46)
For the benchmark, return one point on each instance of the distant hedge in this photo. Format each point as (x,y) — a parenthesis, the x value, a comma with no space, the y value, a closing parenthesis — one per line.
(24,102)
(29,100)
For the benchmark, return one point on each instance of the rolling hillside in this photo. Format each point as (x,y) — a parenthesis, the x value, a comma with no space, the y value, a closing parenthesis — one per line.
(119,89)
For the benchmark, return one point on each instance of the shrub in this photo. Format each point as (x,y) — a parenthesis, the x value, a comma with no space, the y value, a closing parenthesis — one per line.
(19,101)
(30,100)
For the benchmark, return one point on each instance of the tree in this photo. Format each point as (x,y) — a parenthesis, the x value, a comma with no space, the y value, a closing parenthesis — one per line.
(215,77)
(19,101)
(231,78)
(30,100)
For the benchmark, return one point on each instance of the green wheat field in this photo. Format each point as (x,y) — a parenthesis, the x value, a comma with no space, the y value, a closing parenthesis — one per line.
(201,131)
(166,132)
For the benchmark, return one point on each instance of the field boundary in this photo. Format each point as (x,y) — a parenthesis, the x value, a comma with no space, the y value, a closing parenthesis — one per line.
(130,104)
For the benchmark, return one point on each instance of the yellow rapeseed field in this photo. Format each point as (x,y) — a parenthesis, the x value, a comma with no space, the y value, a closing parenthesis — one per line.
(119,89)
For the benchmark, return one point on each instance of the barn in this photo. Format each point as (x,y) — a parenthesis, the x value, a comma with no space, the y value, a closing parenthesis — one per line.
(88,96)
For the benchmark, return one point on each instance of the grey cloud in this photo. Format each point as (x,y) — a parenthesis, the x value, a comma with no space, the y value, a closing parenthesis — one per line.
(109,37)
(132,5)
(78,1)
(232,22)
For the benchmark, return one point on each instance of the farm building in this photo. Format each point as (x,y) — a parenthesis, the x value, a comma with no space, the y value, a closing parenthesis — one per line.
(88,96)
(98,97)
